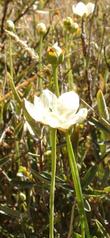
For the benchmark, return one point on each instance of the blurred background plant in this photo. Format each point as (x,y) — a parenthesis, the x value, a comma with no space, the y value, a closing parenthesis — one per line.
(25,159)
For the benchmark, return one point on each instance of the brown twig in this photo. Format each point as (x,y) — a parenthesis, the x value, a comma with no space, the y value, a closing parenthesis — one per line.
(6,2)
(71,221)
(90,29)
(30,51)
(20,86)
(25,11)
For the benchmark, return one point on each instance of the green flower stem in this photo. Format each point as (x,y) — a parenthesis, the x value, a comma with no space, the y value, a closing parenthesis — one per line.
(68,61)
(70,76)
(40,86)
(11,75)
(52,188)
(55,77)
(77,186)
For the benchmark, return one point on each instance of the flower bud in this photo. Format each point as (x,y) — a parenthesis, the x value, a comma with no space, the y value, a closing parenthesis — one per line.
(75,28)
(71,26)
(10,25)
(68,22)
(41,28)
(55,54)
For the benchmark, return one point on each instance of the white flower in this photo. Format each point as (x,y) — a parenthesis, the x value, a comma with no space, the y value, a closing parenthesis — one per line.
(82,9)
(90,8)
(41,28)
(57,49)
(57,112)
(55,54)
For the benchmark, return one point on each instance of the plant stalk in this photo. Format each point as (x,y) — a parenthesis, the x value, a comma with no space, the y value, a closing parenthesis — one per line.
(55,77)
(52,188)
(78,189)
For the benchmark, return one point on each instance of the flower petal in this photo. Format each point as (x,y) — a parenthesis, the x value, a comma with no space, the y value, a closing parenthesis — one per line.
(79,9)
(77,118)
(48,99)
(57,49)
(68,103)
(38,103)
(52,120)
(36,112)
(90,8)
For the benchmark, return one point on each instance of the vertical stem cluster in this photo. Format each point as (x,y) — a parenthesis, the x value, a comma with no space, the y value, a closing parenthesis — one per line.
(77,186)
(55,77)
(52,188)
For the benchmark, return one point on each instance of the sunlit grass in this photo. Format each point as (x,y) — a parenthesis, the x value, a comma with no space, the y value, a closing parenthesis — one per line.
(54,182)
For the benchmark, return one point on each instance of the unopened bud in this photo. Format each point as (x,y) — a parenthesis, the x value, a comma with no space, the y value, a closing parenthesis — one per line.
(41,28)
(10,25)
(55,54)
(71,26)
(68,22)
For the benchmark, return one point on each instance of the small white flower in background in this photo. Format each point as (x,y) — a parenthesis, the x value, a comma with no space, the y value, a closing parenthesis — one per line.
(57,112)
(82,9)
(10,25)
(90,8)
(41,28)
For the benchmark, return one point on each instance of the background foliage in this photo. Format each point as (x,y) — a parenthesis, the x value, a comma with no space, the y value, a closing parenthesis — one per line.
(25,160)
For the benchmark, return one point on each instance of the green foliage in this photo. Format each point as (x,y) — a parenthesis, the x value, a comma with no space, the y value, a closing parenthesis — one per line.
(25,157)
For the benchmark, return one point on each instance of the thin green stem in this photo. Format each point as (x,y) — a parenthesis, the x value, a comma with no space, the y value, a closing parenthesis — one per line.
(52,188)
(78,190)
(40,86)
(55,77)
(70,76)
(68,61)
(11,75)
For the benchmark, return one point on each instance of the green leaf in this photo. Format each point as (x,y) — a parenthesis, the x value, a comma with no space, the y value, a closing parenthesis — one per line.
(103,113)
(101,228)
(102,125)
(4,161)
(107,189)
(18,129)
(10,212)
(102,107)
(89,176)
(76,235)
